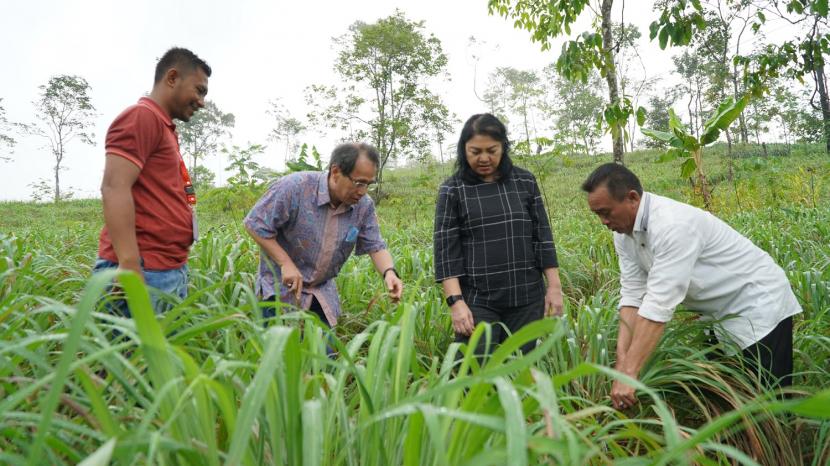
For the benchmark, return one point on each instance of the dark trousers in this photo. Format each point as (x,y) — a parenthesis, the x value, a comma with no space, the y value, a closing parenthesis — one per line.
(513,318)
(270,311)
(773,354)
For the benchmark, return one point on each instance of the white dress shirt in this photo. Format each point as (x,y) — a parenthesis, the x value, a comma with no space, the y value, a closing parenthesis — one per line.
(678,253)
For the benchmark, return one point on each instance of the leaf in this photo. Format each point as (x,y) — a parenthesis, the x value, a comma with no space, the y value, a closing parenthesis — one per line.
(663,37)
(709,136)
(726,113)
(101,456)
(669,138)
(688,167)
(659,135)
(641,116)
(820,7)
(672,154)
(817,406)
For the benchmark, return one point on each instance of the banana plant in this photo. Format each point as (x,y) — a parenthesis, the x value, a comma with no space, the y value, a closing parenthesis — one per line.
(683,145)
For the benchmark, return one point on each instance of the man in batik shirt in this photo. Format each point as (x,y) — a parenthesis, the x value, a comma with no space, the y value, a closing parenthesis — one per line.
(308,224)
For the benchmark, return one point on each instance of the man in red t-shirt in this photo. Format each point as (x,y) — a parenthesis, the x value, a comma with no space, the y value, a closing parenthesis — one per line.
(147,194)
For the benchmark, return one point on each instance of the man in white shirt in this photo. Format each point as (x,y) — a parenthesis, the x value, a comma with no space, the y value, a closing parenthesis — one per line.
(672,253)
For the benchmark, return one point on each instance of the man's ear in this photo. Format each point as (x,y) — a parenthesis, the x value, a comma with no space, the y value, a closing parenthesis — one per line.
(171,76)
(633,196)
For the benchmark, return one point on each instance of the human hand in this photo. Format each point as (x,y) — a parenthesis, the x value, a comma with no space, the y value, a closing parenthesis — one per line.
(394,285)
(462,318)
(553,301)
(292,279)
(622,395)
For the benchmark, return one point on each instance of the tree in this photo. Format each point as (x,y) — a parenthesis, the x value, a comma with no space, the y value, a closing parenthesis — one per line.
(575,108)
(627,60)
(520,90)
(286,128)
(795,58)
(690,148)
(246,172)
(5,127)
(689,67)
(204,178)
(201,135)
(386,68)
(716,46)
(65,112)
(593,49)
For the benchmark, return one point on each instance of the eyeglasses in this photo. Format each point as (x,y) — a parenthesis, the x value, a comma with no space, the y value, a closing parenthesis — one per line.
(361,184)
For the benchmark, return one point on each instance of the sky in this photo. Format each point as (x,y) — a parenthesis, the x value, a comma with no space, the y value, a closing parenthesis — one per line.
(259,51)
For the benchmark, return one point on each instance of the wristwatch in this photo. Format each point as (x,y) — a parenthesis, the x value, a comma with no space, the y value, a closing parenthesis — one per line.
(454,299)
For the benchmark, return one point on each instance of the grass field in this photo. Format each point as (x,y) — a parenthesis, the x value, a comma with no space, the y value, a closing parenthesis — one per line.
(207,383)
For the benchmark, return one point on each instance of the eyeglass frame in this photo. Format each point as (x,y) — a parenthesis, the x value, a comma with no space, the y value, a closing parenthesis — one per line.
(361,184)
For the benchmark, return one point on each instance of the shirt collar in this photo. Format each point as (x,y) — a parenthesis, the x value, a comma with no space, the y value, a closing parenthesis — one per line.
(324,196)
(156,108)
(641,221)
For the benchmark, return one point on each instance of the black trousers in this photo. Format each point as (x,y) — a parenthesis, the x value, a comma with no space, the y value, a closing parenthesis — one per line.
(271,310)
(513,318)
(773,354)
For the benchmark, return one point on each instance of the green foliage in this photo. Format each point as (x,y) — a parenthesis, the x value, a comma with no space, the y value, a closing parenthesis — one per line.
(200,137)
(203,178)
(209,383)
(385,98)
(687,147)
(575,107)
(43,191)
(245,171)
(677,23)
(305,162)
(592,50)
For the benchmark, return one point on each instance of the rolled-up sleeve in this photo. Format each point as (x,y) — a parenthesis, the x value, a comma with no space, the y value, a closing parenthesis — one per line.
(369,239)
(543,247)
(676,249)
(632,276)
(446,239)
(273,210)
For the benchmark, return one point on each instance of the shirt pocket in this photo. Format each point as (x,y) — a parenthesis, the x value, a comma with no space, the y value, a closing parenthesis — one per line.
(347,243)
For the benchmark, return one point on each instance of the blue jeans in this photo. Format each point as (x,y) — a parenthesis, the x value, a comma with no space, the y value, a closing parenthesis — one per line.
(160,282)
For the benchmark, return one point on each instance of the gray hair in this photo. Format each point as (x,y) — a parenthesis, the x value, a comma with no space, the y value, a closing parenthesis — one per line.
(345,156)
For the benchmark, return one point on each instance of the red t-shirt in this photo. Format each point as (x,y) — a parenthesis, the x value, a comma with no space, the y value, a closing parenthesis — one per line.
(146,136)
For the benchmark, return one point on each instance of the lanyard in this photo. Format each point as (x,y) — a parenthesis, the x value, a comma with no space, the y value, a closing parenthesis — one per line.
(189,190)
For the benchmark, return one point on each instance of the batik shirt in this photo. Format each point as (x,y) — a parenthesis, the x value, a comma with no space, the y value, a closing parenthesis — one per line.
(318,237)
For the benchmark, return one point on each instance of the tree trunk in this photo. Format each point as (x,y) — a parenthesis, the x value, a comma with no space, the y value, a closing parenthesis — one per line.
(57,183)
(611,76)
(825,104)
(741,119)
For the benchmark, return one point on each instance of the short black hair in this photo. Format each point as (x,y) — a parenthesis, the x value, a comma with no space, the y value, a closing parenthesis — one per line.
(488,125)
(345,156)
(616,178)
(179,57)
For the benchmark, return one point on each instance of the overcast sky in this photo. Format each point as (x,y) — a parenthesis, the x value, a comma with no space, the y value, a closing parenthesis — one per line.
(259,51)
